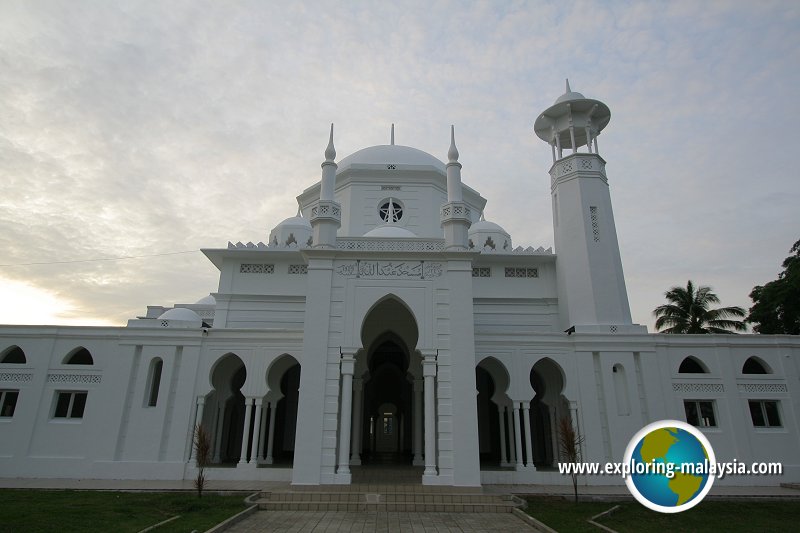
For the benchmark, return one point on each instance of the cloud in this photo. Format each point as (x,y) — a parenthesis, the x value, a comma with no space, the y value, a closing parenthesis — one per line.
(133,129)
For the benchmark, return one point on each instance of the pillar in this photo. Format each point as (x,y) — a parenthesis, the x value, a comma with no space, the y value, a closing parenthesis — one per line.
(501,419)
(518,437)
(526,418)
(418,388)
(256,431)
(262,430)
(512,451)
(345,414)
(248,409)
(355,439)
(271,433)
(429,373)
(218,423)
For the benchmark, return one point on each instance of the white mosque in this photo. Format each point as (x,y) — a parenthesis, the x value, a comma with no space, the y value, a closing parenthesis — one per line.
(388,323)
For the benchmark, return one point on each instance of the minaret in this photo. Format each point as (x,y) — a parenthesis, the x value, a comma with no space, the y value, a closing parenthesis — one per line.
(455,214)
(326,214)
(591,285)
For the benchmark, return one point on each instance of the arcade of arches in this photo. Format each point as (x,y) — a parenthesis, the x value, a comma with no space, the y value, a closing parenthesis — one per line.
(254,430)
(519,433)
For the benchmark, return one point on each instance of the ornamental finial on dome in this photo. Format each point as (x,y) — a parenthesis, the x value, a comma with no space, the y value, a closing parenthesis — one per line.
(330,151)
(483,217)
(568,89)
(299,212)
(452,153)
(392,136)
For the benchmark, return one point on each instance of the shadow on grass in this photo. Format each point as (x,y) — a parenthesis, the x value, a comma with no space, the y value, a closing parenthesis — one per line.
(707,516)
(90,511)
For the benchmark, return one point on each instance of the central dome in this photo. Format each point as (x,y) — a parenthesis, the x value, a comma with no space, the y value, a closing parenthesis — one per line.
(390,154)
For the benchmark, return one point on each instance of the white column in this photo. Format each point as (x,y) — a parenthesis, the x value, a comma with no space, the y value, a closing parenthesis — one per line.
(589,139)
(345,413)
(248,409)
(526,418)
(271,433)
(429,373)
(418,461)
(262,430)
(553,149)
(512,456)
(198,420)
(596,149)
(518,437)
(501,419)
(219,423)
(256,431)
(558,146)
(355,441)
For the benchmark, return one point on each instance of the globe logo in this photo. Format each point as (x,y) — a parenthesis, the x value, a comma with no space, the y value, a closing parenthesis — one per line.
(669,465)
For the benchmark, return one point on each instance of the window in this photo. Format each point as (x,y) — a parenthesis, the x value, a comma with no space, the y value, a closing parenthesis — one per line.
(691,365)
(154,381)
(79,356)
(70,404)
(700,413)
(8,403)
(754,365)
(390,211)
(765,413)
(13,355)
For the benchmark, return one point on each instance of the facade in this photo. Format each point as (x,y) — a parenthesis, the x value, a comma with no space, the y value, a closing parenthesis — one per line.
(389,323)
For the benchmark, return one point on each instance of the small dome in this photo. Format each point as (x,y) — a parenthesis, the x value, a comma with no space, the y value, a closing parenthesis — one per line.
(571,95)
(390,154)
(294,231)
(206,300)
(182,314)
(485,235)
(390,231)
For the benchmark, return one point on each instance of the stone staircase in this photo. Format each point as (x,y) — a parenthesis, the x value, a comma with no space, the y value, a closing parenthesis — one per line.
(387,498)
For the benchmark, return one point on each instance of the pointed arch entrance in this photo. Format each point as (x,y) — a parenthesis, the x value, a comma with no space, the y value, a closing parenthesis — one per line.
(548,406)
(225,408)
(387,410)
(279,424)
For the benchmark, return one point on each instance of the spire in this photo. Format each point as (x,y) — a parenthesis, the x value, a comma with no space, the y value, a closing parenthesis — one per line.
(452,153)
(483,218)
(330,151)
(392,143)
(568,89)
(299,213)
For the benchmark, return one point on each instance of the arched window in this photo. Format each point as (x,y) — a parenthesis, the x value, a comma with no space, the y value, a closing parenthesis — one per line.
(154,381)
(692,365)
(754,365)
(13,355)
(79,356)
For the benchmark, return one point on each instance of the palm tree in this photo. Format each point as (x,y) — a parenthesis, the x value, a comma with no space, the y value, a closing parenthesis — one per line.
(688,312)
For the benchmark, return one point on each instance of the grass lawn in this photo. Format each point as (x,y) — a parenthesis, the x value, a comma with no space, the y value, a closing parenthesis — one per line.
(87,511)
(730,516)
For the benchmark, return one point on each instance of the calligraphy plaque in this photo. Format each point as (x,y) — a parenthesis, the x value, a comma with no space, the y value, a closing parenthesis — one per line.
(390,269)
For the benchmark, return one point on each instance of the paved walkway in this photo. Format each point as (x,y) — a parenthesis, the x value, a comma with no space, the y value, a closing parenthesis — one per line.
(334,521)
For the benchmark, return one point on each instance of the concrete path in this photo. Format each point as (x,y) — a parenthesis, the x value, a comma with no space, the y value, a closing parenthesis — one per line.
(338,521)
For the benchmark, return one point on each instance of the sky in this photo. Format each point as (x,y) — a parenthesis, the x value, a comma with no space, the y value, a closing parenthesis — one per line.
(144,128)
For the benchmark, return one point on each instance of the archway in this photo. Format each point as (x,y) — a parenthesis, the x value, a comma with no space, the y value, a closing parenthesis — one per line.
(225,409)
(388,388)
(494,438)
(281,433)
(547,406)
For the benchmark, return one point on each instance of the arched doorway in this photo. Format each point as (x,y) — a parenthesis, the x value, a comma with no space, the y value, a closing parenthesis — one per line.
(225,409)
(279,424)
(495,439)
(388,432)
(388,405)
(547,406)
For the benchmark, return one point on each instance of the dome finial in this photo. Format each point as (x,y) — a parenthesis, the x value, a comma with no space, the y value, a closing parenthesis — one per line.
(299,213)
(392,139)
(452,153)
(391,215)
(483,216)
(568,89)
(330,151)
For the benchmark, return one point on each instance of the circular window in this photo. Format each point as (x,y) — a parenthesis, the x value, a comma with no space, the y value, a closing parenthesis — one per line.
(390,211)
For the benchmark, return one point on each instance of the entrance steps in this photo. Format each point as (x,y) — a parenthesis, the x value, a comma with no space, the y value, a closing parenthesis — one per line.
(387,498)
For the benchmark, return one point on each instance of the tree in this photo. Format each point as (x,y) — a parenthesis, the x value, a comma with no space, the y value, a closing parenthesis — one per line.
(688,312)
(202,454)
(570,447)
(776,305)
